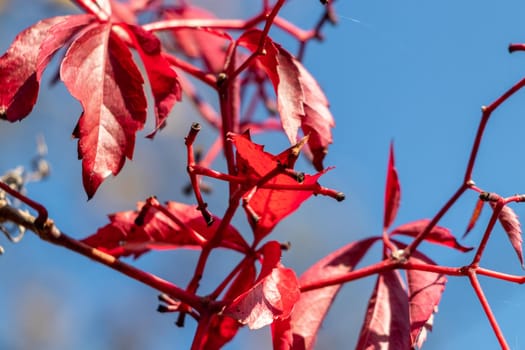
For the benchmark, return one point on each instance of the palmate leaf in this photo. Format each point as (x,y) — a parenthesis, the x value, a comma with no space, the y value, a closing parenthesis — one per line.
(123,236)
(299,331)
(270,205)
(99,71)
(300,101)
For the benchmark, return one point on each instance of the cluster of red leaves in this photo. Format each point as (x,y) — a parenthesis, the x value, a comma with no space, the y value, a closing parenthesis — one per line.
(99,69)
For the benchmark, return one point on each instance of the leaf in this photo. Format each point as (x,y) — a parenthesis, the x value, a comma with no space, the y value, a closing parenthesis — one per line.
(268,205)
(300,330)
(99,71)
(123,236)
(475,216)
(438,235)
(163,79)
(392,191)
(223,328)
(300,100)
(386,324)
(425,290)
(58,36)
(200,43)
(18,76)
(272,297)
(511,224)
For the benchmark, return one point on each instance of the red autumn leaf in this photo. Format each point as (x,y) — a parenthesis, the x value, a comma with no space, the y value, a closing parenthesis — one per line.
(223,328)
(123,236)
(392,191)
(199,43)
(99,71)
(386,324)
(424,294)
(18,76)
(300,100)
(272,297)
(300,330)
(475,216)
(511,224)
(438,235)
(269,205)
(163,79)
(58,36)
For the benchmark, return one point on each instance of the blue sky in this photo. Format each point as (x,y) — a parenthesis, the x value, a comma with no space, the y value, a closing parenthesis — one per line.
(416,72)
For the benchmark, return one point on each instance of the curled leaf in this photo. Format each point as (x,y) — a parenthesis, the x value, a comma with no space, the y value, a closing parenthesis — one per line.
(392,191)
(475,216)
(511,224)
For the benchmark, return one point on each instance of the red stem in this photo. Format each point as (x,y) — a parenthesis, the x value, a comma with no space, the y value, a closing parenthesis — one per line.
(420,237)
(149,279)
(487,111)
(486,307)
(500,275)
(488,231)
(381,266)
(41,210)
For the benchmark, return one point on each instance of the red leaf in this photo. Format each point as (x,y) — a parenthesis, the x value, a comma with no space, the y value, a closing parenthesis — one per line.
(475,216)
(202,43)
(300,330)
(269,205)
(386,324)
(438,235)
(300,100)
(511,224)
(163,79)
(18,76)
(272,297)
(425,290)
(58,36)
(123,237)
(392,191)
(99,71)
(223,328)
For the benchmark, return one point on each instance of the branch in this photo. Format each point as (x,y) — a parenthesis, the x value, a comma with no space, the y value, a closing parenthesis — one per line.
(50,233)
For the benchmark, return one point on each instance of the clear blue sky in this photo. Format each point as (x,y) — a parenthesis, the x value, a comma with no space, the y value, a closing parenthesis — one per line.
(415,72)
